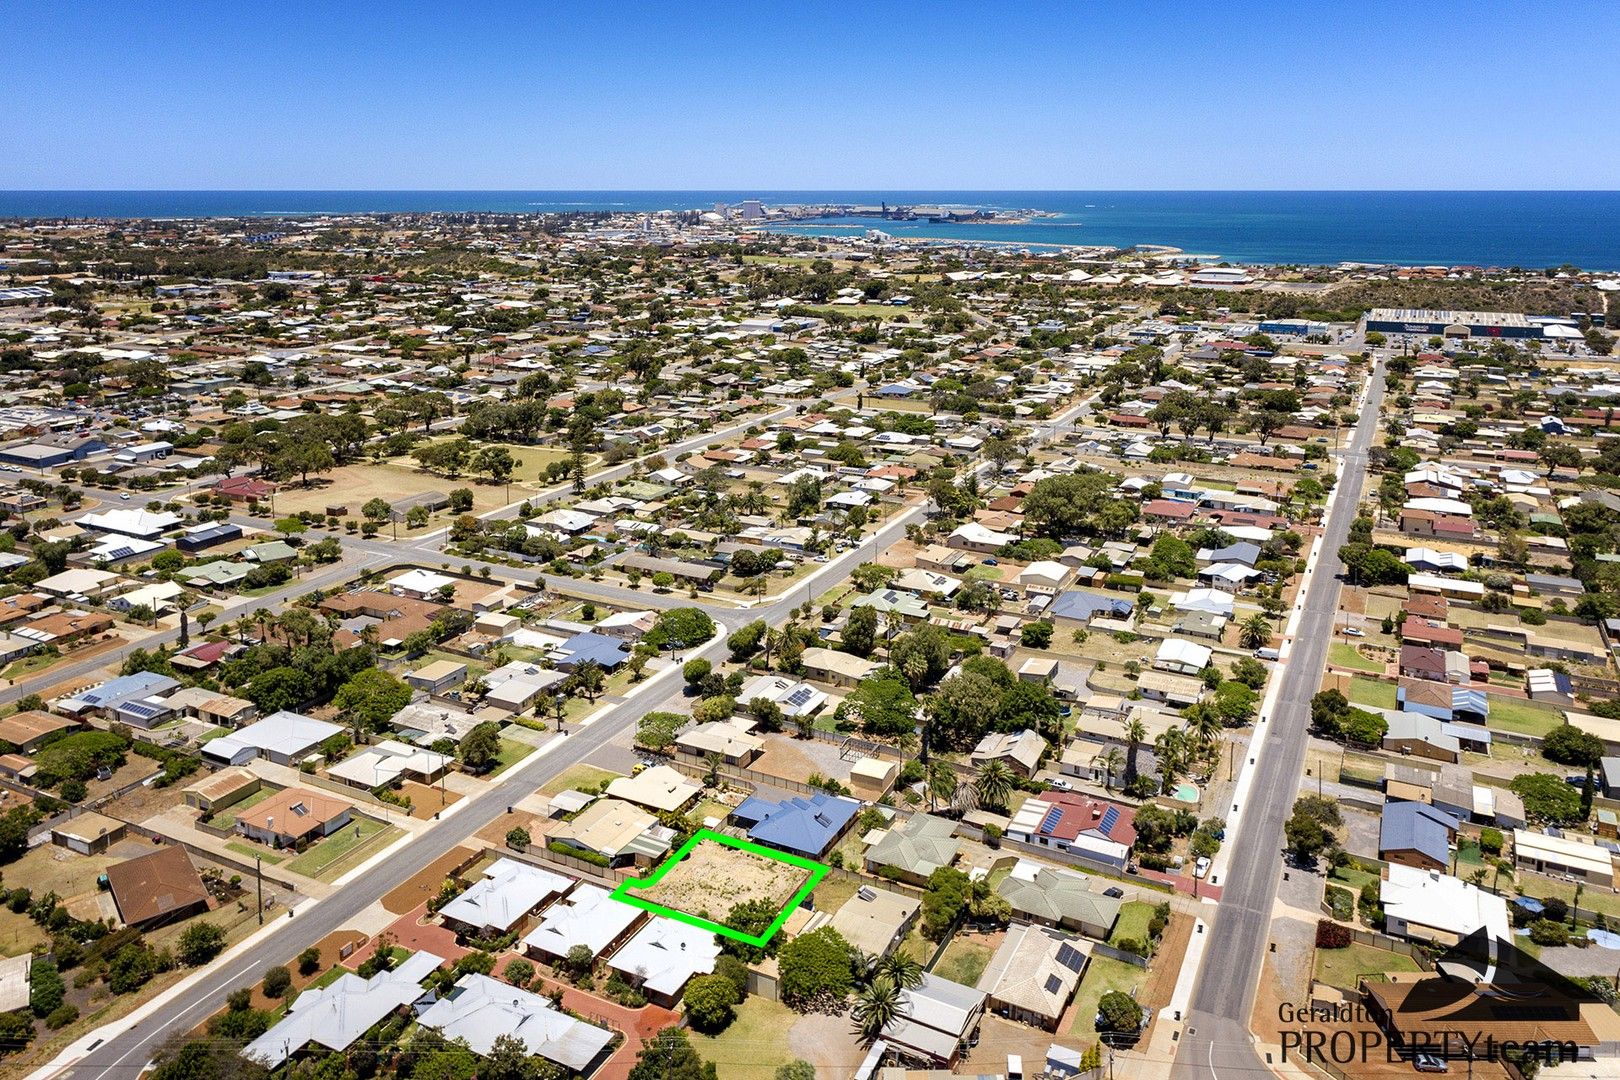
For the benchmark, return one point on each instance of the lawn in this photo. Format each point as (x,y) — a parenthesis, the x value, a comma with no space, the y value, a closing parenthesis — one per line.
(1372,692)
(861,311)
(1134,917)
(511,753)
(254,851)
(577,776)
(1345,967)
(754,1046)
(226,818)
(343,850)
(19,933)
(1348,656)
(28,665)
(964,960)
(1523,717)
(1592,900)
(918,947)
(1102,976)
(1351,877)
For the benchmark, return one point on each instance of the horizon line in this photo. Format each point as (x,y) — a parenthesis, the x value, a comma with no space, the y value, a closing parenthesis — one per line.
(823,190)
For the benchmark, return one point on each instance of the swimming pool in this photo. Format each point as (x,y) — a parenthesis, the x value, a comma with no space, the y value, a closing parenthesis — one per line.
(1185,793)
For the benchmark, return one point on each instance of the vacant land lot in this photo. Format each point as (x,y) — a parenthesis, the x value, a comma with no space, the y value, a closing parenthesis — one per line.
(714,878)
(352,486)
(1345,968)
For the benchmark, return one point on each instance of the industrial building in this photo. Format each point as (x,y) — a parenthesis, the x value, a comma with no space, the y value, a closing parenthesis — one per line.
(1455,324)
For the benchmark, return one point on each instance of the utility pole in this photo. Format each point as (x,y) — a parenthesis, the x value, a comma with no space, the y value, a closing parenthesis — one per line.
(258,872)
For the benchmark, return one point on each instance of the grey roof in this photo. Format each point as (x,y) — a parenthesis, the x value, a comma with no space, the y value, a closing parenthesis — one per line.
(335,1016)
(1060,897)
(508,891)
(920,846)
(1415,826)
(481,1009)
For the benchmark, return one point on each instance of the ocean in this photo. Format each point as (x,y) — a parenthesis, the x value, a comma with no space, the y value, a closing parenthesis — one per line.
(1532,229)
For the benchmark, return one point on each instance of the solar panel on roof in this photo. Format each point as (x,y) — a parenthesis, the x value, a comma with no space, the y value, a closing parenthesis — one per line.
(800,696)
(1049,822)
(1110,818)
(1053,984)
(1070,957)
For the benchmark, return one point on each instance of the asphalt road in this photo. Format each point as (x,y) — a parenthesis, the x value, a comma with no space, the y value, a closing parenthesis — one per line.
(1216,1041)
(125,1055)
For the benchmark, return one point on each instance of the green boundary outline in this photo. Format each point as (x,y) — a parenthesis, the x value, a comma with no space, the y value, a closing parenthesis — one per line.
(817,872)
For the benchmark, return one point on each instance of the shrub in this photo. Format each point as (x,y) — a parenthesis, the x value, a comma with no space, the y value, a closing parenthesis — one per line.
(309,960)
(709,1001)
(200,943)
(1545,932)
(518,839)
(1490,841)
(277,981)
(1330,935)
(519,972)
(1341,903)
(62,1016)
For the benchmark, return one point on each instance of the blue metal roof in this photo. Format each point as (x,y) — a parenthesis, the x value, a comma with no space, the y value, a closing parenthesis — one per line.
(1415,826)
(804,826)
(1083,605)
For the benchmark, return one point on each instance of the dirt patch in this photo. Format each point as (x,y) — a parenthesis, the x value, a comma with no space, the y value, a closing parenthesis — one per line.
(427,801)
(425,883)
(714,878)
(1166,966)
(825,1042)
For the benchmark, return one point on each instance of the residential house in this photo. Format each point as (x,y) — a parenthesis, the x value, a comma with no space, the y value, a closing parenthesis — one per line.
(1417,835)
(480,1010)
(294,815)
(1034,974)
(501,901)
(1060,898)
(157,888)
(805,825)
(914,849)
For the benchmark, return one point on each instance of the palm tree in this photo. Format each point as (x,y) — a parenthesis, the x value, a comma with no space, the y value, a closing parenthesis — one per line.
(994,783)
(1206,727)
(1171,749)
(965,799)
(1254,632)
(1110,760)
(899,968)
(1135,733)
(941,782)
(876,1005)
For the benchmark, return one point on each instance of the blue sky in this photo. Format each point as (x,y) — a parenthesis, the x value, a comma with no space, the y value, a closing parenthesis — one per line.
(687,94)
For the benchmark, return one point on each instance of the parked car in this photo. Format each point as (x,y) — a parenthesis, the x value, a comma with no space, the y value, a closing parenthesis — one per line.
(1201,867)
(1432,1063)
(1113,892)
(1354,631)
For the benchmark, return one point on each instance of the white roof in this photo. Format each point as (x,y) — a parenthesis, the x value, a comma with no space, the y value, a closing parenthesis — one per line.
(387,761)
(481,1009)
(131,522)
(285,733)
(1445,560)
(566,520)
(75,581)
(664,954)
(335,1016)
(1184,653)
(1044,570)
(662,787)
(1442,902)
(420,581)
(588,916)
(1562,851)
(508,891)
(974,533)
(1213,601)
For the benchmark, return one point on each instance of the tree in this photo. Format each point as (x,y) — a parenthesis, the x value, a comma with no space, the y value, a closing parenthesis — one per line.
(797,1069)
(681,628)
(481,747)
(994,783)
(309,961)
(509,1059)
(695,670)
(277,981)
(1305,835)
(1547,799)
(1118,1013)
(1254,631)
(1569,745)
(860,631)
(495,462)
(289,527)
(747,640)
(372,697)
(668,1055)
(205,1059)
(199,943)
(881,704)
(816,969)
(377,510)
(876,1005)
(459,500)
(45,987)
(1059,506)
(710,1001)
(1035,635)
